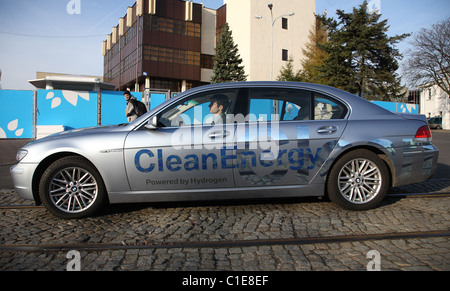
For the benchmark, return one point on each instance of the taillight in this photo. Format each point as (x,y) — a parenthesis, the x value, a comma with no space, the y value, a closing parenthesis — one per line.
(423,132)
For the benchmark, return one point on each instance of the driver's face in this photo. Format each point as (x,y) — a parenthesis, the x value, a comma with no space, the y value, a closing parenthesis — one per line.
(214,108)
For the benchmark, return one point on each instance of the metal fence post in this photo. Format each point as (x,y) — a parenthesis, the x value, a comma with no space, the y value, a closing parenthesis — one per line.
(99,108)
(35,112)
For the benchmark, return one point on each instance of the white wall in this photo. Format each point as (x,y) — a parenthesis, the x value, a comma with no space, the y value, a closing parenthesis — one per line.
(208,39)
(254,36)
(434,102)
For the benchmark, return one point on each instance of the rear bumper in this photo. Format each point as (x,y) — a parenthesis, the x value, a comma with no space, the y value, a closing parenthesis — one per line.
(418,164)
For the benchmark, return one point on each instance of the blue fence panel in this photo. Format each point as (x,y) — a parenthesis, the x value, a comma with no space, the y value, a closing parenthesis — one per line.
(156,99)
(399,107)
(16,114)
(73,109)
(114,105)
(391,106)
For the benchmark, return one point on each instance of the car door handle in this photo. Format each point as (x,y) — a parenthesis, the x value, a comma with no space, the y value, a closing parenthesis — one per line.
(327,130)
(218,134)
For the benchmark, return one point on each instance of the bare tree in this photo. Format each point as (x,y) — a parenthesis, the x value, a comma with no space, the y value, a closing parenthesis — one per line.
(428,62)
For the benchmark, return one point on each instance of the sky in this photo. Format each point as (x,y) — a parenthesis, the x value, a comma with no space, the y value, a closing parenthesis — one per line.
(65,36)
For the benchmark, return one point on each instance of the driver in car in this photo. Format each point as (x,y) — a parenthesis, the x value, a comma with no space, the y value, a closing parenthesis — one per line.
(218,106)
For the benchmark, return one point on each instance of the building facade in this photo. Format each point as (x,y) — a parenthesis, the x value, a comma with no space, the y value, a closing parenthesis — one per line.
(269,32)
(170,44)
(434,102)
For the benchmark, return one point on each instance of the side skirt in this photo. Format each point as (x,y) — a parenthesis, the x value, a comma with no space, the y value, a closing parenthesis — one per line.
(216,194)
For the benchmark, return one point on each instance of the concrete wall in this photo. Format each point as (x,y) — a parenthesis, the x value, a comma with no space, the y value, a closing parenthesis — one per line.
(253,34)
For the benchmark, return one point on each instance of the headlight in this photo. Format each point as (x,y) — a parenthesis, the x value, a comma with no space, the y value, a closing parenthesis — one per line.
(21,154)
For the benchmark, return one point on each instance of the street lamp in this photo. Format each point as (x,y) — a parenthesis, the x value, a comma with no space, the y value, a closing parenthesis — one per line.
(270,5)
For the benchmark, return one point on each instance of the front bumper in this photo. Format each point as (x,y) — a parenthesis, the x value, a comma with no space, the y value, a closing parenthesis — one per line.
(22,176)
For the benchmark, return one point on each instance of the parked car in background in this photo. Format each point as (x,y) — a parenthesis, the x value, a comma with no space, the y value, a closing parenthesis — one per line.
(435,122)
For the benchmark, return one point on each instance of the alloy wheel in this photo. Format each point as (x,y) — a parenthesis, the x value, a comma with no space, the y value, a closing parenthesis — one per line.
(73,190)
(359,180)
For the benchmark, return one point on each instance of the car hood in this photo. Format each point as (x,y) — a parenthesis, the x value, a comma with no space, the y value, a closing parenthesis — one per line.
(79,132)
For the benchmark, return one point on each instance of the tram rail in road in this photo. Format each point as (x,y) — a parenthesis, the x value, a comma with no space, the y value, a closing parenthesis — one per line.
(225,243)
(231,243)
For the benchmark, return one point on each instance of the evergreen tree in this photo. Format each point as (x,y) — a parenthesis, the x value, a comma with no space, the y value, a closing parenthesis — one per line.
(227,61)
(287,72)
(315,56)
(362,59)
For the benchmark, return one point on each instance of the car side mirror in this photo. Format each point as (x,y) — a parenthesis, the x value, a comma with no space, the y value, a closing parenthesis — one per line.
(152,123)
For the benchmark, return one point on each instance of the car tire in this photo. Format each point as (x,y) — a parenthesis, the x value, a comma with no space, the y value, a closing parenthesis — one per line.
(71,188)
(359,180)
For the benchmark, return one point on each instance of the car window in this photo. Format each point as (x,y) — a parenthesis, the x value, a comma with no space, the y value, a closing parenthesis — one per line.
(279,104)
(204,108)
(327,108)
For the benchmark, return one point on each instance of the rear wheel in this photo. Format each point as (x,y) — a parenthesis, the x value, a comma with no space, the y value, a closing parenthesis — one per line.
(358,181)
(72,188)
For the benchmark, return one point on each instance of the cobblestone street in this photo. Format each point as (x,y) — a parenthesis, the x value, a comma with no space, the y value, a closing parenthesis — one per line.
(406,232)
(157,237)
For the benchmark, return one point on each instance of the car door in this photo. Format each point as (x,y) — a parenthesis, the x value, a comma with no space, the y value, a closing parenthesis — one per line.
(189,149)
(289,135)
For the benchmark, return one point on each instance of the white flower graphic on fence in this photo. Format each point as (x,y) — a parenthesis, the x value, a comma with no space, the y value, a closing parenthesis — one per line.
(407,108)
(12,126)
(70,96)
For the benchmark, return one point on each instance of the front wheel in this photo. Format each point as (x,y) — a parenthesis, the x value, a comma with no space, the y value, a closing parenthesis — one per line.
(358,181)
(72,188)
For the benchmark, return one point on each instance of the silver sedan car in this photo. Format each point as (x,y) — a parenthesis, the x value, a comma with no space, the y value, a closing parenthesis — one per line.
(232,141)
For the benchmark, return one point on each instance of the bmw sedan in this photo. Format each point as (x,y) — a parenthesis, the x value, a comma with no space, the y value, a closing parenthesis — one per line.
(232,141)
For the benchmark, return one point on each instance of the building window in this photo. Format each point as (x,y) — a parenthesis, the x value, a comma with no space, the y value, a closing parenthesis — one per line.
(207,61)
(172,26)
(284,56)
(171,55)
(284,23)
(129,61)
